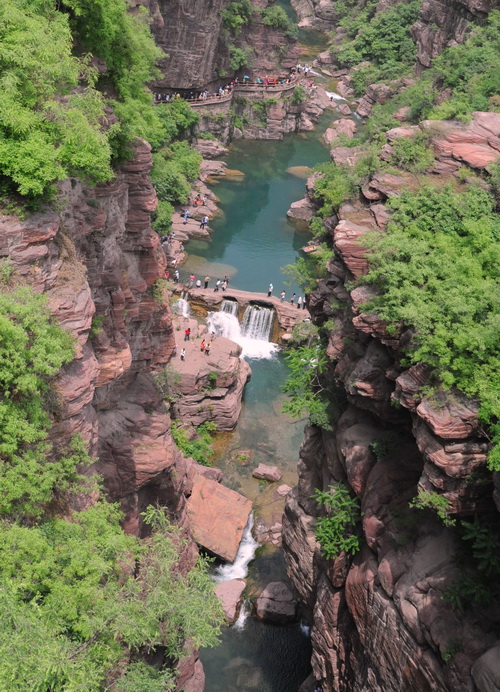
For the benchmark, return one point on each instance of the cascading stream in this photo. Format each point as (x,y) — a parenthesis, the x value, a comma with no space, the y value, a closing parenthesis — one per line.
(181,306)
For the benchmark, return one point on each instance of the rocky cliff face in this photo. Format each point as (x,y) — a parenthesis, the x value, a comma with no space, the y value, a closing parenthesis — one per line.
(445,22)
(97,261)
(380,621)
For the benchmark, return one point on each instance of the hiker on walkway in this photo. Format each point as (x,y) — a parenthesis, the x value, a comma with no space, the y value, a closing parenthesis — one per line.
(204,221)
(202,345)
(183,354)
(207,279)
(270,290)
(292,299)
(187,334)
(299,302)
(282,296)
(185,216)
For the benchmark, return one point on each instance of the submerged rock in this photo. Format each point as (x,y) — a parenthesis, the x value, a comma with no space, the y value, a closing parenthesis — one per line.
(267,473)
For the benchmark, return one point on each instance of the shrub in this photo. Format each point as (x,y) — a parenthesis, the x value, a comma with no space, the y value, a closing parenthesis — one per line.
(236,15)
(277,18)
(333,188)
(162,217)
(238,57)
(299,94)
(305,388)
(437,503)
(336,533)
(412,154)
(200,448)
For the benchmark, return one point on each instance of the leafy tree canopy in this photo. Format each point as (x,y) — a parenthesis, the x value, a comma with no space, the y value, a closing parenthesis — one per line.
(437,271)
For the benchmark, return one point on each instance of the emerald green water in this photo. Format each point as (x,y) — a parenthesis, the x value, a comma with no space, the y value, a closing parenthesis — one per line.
(252,239)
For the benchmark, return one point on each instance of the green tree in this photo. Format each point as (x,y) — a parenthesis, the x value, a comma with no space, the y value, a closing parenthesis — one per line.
(337,531)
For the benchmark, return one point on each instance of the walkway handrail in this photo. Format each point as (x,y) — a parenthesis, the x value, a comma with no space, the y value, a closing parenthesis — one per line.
(240,87)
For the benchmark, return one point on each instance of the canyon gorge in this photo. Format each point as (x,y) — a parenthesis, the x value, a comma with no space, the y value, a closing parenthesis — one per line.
(413,601)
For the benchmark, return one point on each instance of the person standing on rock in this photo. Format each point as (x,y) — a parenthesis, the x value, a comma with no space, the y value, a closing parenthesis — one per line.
(176,276)
(187,334)
(207,349)
(270,290)
(191,281)
(198,283)
(282,296)
(202,345)
(207,279)
(299,302)
(217,284)
(292,299)
(304,303)
(183,354)
(185,216)
(204,221)
(224,286)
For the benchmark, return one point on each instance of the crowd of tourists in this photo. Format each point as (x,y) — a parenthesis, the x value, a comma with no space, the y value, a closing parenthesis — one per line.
(226,90)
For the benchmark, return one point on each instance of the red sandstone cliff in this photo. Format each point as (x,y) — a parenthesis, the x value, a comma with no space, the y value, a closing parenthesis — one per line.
(379,621)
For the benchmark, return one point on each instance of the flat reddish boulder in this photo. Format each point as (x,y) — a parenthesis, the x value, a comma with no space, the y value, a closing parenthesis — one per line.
(217,517)
(276,604)
(229,594)
(267,473)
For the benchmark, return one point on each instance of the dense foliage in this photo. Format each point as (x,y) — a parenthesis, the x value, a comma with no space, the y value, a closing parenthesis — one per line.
(236,15)
(380,38)
(175,167)
(436,271)
(32,350)
(74,593)
(199,447)
(79,599)
(54,119)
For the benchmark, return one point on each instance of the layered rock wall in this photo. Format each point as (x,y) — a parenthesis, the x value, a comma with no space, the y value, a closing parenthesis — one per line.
(381,621)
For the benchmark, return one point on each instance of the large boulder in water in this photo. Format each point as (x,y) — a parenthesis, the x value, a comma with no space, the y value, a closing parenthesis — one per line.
(276,604)
(217,517)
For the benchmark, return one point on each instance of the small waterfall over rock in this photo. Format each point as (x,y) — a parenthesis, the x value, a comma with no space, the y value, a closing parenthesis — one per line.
(257,322)
(246,552)
(229,306)
(181,306)
(253,335)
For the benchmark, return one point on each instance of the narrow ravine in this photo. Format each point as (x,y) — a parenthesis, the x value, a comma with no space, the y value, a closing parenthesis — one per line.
(251,240)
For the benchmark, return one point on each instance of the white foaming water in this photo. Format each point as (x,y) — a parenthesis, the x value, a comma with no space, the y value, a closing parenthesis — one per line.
(305,629)
(226,324)
(246,552)
(229,306)
(334,96)
(182,306)
(242,617)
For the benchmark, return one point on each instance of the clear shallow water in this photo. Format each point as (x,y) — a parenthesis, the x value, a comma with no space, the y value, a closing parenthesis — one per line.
(253,238)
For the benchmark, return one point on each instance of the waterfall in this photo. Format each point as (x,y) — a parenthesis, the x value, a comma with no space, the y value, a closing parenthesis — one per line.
(229,306)
(252,336)
(246,552)
(181,306)
(257,322)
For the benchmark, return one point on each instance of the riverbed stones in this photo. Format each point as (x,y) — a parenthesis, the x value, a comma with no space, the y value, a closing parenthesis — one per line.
(229,594)
(283,490)
(276,604)
(267,473)
(217,517)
